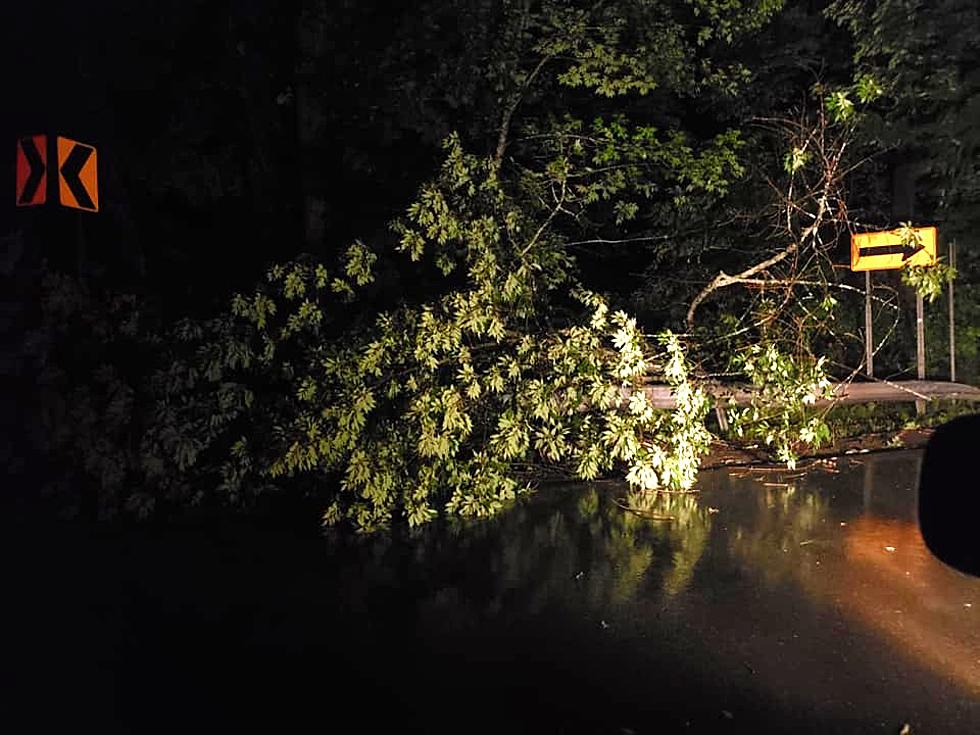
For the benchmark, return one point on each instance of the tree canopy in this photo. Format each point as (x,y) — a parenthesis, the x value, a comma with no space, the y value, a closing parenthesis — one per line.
(485,228)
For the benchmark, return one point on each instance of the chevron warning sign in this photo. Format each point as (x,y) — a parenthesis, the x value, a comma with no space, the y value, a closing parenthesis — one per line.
(32,171)
(78,175)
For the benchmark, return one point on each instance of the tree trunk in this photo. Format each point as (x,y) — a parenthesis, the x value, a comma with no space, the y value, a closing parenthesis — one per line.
(311,31)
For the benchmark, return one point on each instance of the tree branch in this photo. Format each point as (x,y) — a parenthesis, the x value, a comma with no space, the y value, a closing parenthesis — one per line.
(509,111)
(723,279)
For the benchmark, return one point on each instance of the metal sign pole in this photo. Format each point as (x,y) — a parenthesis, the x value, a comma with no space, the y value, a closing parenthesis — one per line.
(952,320)
(920,342)
(893,250)
(868,337)
(80,258)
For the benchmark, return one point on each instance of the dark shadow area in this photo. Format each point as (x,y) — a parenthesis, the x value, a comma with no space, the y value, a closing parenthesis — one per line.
(564,615)
(949,494)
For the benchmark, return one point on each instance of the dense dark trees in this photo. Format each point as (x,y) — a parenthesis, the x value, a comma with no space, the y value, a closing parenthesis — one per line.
(636,149)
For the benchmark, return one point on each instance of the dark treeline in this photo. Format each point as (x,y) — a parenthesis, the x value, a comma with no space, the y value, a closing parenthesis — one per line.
(236,135)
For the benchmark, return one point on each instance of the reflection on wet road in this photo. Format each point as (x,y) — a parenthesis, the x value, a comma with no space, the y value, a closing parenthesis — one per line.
(769,601)
(868,560)
(891,582)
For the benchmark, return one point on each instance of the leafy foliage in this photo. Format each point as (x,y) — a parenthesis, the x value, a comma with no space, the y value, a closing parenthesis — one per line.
(785,389)
(434,404)
(928,280)
(923,58)
(780,331)
(86,352)
(437,374)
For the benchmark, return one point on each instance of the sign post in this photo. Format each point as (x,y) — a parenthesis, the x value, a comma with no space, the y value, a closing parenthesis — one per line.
(64,171)
(869,354)
(952,320)
(920,347)
(879,251)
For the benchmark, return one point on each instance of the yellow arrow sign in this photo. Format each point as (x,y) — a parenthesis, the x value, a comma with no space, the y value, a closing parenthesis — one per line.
(881,251)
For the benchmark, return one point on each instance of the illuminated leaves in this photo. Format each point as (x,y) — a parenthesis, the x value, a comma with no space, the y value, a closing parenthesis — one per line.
(927,280)
(785,386)
(840,107)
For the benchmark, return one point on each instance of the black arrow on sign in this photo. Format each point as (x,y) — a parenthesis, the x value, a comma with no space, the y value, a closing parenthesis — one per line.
(907,251)
(37,170)
(69,173)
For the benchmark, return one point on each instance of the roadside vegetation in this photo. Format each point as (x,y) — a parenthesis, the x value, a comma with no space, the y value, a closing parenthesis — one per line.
(612,194)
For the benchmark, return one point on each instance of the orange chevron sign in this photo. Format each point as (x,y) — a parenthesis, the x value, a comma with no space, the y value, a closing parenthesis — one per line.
(78,175)
(32,171)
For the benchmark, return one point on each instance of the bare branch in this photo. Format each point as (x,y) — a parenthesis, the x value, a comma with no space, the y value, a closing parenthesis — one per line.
(723,279)
(510,109)
(794,200)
